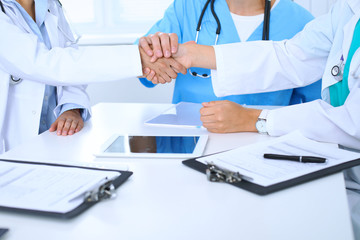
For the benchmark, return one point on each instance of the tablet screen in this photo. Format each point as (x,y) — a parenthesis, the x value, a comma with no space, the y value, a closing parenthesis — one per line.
(153,144)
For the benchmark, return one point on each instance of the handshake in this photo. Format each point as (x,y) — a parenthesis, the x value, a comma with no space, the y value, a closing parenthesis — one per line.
(162,57)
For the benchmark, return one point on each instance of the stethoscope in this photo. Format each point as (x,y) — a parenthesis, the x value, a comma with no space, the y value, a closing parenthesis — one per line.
(13,80)
(266,27)
(337,71)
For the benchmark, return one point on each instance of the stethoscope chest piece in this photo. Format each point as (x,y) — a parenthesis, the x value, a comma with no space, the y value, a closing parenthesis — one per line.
(337,71)
(14,80)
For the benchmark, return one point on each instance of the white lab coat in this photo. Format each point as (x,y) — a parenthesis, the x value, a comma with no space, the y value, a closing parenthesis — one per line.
(268,66)
(23,56)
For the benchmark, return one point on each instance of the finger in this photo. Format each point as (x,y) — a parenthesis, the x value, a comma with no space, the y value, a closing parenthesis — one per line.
(208,119)
(151,75)
(174,42)
(214,127)
(60,126)
(146,71)
(73,126)
(66,127)
(144,44)
(153,59)
(179,67)
(171,73)
(205,104)
(161,80)
(155,80)
(79,126)
(155,40)
(212,103)
(165,44)
(165,77)
(214,130)
(207,111)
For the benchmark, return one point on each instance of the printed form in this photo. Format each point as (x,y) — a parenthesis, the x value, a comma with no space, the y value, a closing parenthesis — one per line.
(250,162)
(47,188)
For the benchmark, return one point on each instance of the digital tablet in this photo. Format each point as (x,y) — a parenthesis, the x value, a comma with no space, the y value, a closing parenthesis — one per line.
(122,145)
(183,114)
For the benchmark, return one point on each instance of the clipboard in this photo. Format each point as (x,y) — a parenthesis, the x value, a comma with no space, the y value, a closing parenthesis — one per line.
(101,192)
(216,173)
(260,190)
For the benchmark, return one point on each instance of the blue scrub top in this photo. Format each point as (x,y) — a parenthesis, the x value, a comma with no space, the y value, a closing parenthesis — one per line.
(287,18)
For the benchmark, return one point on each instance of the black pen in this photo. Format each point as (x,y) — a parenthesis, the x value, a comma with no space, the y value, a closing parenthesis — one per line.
(303,159)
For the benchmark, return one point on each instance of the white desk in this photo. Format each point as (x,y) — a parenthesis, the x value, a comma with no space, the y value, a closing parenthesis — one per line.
(166,200)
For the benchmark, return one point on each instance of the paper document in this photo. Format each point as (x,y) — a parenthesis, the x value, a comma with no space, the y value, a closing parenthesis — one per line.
(47,188)
(249,160)
(183,114)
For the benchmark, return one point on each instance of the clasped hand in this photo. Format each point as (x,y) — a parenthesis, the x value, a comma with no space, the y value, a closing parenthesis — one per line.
(161,58)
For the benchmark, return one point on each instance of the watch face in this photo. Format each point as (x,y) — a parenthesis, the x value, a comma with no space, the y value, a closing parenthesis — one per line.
(261,126)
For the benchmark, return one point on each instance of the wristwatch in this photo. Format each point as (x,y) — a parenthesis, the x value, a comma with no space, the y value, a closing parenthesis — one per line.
(261,122)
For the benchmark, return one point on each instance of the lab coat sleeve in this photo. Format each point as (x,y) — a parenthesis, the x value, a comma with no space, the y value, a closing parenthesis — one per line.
(320,121)
(263,66)
(268,66)
(22,55)
(170,23)
(73,95)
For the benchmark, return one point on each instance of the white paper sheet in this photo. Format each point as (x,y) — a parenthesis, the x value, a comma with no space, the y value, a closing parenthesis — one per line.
(47,188)
(249,160)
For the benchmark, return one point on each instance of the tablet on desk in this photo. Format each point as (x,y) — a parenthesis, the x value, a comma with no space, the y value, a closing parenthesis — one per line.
(183,114)
(153,146)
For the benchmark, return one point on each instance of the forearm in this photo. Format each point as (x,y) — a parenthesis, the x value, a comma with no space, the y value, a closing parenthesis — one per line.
(202,56)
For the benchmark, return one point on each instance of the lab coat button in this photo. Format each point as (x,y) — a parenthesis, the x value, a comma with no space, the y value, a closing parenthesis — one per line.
(34,112)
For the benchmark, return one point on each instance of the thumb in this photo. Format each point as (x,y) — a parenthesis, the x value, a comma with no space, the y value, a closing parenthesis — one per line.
(209,104)
(53,127)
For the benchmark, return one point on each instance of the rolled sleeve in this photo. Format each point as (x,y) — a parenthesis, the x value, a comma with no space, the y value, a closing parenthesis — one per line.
(69,106)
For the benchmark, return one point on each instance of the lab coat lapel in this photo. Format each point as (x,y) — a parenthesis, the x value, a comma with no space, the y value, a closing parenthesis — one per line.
(51,23)
(15,15)
(348,34)
(350,26)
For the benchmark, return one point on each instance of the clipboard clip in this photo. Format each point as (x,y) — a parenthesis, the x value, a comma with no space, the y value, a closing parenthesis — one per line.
(215,173)
(104,191)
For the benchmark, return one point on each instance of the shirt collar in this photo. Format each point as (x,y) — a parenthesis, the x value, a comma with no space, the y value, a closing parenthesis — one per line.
(41,7)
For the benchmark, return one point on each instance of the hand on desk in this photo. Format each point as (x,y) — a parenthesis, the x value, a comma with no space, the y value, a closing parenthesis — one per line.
(68,123)
(228,117)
